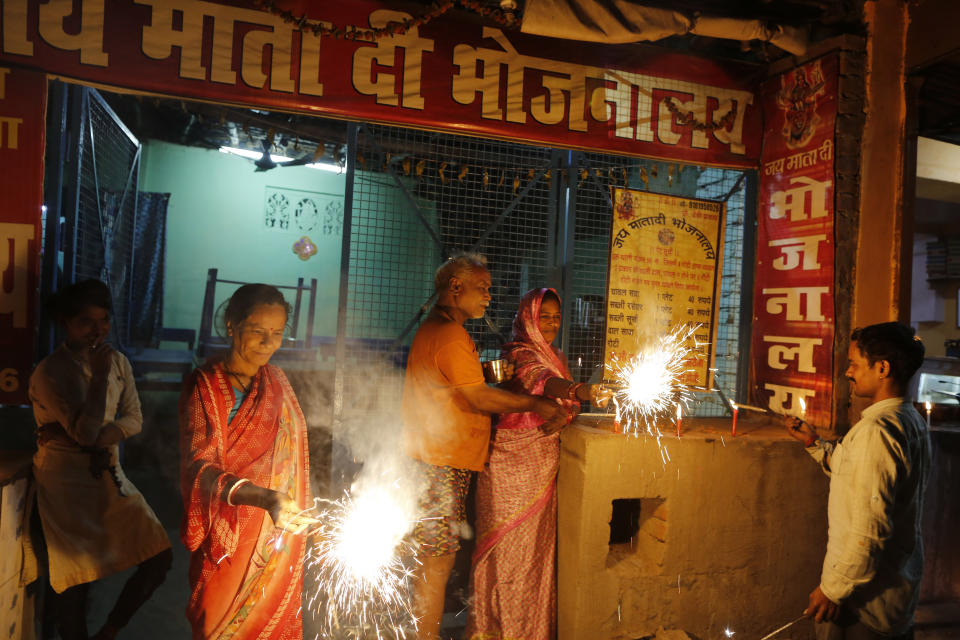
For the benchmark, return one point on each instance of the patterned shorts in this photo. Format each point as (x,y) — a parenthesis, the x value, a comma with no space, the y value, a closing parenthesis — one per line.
(443,508)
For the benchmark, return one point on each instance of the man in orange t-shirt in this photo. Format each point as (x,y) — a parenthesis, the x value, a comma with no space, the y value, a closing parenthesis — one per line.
(446,423)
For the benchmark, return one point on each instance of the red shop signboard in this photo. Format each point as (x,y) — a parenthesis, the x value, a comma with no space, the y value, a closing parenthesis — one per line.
(447,74)
(793,320)
(22,107)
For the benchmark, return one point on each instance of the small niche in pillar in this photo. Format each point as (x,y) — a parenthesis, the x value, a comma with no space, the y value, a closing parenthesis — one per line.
(638,532)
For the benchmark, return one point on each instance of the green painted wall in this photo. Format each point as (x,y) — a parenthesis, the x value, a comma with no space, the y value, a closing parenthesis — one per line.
(216,219)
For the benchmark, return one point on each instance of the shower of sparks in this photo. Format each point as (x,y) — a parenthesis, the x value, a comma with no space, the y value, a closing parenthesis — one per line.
(649,384)
(363,584)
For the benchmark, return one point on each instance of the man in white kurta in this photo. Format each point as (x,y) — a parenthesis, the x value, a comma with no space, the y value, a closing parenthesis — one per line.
(95,522)
(878,471)
(93,526)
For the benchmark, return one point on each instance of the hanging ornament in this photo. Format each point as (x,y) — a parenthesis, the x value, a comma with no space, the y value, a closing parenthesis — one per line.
(546,176)
(361,161)
(503,176)
(598,173)
(486,178)
(304,248)
(584,174)
(654,170)
(386,161)
(516,182)
(443,178)
(644,178)
(463,173)
(406,166)
(670,169)
(420,167)
(626,182)
(318,152)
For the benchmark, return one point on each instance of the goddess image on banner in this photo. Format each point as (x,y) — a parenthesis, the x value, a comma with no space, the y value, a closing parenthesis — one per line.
(665,253)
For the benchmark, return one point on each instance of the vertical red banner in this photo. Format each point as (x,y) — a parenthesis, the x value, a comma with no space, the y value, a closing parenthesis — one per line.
(792,363)
(23,96)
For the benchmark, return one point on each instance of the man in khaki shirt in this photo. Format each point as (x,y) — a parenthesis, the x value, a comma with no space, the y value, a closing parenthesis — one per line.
(878,473)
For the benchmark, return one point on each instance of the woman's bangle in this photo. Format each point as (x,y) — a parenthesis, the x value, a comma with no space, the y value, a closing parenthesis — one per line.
(236,485)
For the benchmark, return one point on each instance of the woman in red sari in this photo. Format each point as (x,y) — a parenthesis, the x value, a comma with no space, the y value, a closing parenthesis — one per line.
(244,481)
(514,565)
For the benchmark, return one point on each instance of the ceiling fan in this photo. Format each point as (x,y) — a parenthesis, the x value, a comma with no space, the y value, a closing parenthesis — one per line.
(266,162)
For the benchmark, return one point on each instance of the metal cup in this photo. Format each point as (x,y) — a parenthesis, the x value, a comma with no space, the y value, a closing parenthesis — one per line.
(495,371)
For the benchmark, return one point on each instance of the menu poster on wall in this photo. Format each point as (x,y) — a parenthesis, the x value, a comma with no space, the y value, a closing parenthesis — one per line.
(665,253)
(22,106)
(793,318)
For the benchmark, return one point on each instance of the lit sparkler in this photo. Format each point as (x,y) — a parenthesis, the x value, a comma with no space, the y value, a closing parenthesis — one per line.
(359,551)
(648,385)
(786,626)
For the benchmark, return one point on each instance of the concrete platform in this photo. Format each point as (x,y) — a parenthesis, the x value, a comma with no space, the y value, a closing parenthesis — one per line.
(725,533)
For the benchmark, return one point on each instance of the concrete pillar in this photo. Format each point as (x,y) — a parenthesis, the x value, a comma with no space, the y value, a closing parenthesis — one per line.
(880,291)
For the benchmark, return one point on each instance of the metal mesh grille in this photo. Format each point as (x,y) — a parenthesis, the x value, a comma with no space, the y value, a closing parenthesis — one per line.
(106,206)
(418,196)
(587,293)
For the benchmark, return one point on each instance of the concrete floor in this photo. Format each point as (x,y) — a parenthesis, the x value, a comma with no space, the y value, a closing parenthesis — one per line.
(151,462)
(162,618)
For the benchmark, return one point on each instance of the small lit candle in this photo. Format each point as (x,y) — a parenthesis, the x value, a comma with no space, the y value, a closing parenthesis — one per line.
(733,432)
(929,409)
(803,408)
(679,418)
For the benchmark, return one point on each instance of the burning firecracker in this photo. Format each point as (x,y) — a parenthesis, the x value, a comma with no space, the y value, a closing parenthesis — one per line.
(363,584)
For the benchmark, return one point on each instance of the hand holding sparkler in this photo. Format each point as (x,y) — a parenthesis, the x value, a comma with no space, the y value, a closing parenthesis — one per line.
(821,608)
(800,430)
(290,517)
(284,511)
(600,395)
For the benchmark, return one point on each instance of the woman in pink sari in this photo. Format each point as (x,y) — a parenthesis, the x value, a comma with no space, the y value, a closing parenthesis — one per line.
(244,481)
(513,579)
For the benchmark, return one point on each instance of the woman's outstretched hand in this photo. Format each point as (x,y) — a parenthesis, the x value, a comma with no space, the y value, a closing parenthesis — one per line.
(288,515)
(600,396)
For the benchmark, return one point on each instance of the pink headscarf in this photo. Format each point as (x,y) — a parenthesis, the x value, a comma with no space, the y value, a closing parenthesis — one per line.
(535,361)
